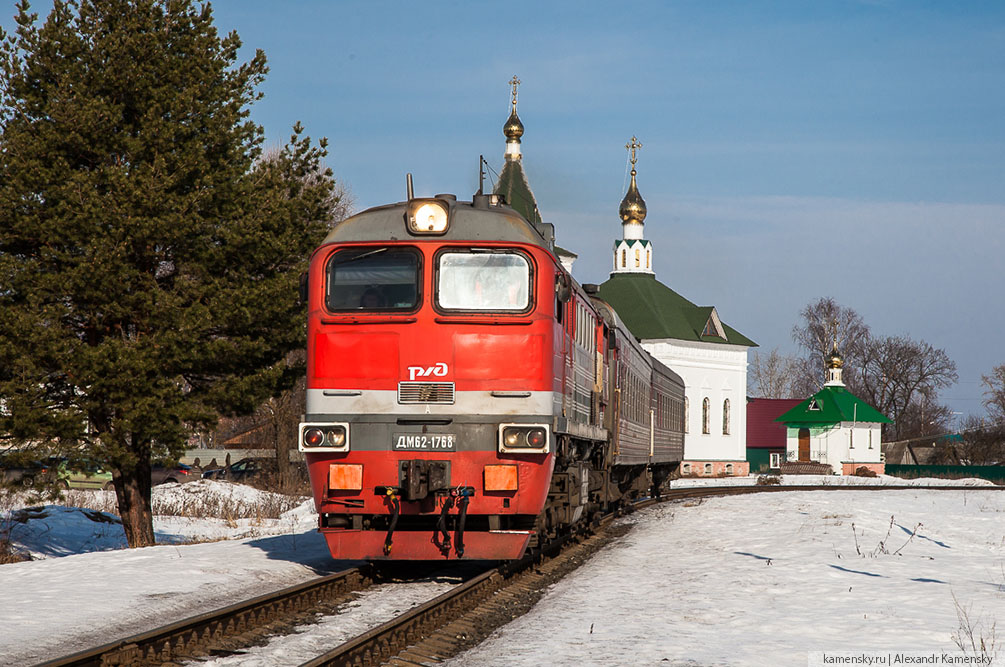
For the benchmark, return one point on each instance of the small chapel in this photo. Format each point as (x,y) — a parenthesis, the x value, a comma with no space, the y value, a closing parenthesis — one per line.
(692,340)
(834,429)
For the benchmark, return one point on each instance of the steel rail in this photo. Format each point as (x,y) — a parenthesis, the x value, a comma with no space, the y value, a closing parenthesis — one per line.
(183,637)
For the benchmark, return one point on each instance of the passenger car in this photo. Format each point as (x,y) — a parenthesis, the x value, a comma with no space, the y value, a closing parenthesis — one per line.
(17,470)
(239,471)
(181,473)
(79,473)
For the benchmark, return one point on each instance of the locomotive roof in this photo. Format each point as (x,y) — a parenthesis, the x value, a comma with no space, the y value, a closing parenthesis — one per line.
(479,221)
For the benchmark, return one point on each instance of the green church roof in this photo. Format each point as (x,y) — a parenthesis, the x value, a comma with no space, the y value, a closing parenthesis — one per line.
(515,189)
(832,405)
(651,310)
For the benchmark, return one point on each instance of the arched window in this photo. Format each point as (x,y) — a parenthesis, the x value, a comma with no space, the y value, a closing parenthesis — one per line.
(686,413)
(705,410)
(637,261)
(624,258)
(729,468)
(708,468)
(649,258)
(725,417)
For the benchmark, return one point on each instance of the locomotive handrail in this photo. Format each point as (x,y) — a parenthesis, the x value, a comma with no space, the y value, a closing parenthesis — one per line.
(473,320)
(369,320)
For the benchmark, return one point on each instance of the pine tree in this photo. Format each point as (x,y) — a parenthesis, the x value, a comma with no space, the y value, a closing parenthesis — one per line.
(148,258)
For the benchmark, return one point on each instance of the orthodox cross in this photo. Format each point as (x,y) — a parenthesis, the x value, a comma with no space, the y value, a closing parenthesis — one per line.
(514,82)
(633,146)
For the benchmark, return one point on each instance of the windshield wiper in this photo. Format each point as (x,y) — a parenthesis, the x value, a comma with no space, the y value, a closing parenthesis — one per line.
(365,254)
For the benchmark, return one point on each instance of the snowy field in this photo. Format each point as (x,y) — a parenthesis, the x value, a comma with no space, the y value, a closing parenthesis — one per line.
(767,579)
(749,580)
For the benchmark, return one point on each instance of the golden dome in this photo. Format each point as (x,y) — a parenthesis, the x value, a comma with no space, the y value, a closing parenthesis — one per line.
(633,206)
(513,129)
(834,359)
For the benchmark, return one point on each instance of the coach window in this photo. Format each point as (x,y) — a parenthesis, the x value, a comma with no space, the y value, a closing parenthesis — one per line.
(483,281)
(373,279)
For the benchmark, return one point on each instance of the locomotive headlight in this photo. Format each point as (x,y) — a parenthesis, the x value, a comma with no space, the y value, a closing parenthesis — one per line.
(427,217)
(324,437)
(313,437)
(336,437)
(523,438)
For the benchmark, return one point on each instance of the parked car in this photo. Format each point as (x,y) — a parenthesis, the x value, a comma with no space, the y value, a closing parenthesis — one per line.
(78,473)
(181,473)
(17,470)
(241,471)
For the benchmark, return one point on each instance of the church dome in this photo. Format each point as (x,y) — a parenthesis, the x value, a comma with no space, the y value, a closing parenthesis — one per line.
(513,129)
(633,206)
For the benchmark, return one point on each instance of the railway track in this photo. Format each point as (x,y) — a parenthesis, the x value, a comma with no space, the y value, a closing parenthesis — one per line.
(431,632)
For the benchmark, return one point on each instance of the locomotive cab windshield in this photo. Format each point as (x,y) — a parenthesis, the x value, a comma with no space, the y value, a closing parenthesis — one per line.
(482,280)
(373,279)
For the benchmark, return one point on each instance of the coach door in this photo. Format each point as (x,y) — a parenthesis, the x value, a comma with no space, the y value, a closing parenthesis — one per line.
(804,444)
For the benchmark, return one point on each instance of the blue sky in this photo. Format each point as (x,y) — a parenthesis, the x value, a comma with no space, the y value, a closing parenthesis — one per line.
(792,150)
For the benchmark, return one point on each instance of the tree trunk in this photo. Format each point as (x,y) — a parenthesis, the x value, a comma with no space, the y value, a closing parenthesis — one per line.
(132,490)
(282,452)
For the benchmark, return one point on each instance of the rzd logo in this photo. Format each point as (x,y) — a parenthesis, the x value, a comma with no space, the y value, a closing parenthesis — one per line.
(439,370)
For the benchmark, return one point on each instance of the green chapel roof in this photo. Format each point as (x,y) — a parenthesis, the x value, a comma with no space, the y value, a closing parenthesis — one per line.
(832,405)
(515,189)
(651,310)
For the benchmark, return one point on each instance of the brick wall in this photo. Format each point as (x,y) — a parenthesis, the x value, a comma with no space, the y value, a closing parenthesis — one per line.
(850,468)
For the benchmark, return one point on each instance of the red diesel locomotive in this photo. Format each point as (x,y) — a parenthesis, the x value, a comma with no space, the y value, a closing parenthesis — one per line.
(465,397)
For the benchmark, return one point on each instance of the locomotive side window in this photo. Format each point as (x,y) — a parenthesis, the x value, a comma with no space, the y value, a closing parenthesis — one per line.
(373,279)
(483,281)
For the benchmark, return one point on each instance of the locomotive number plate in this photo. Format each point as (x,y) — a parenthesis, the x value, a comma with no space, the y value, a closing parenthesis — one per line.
(425,442)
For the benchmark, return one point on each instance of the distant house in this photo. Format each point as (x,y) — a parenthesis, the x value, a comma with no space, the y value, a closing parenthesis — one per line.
(834,427)
(766,438)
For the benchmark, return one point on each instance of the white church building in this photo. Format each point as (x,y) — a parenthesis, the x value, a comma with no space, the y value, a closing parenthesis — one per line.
(692,340)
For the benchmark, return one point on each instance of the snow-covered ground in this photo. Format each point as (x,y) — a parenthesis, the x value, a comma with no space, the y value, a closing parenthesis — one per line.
(748,580)
(768,579)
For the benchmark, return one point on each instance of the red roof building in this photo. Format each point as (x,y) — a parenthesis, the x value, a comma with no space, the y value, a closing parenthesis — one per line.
(765,436)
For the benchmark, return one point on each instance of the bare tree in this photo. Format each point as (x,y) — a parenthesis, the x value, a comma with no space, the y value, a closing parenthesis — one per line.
(897,371)
(772,376)
(823,322)
(979,443)
(925,417)
(995,393)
